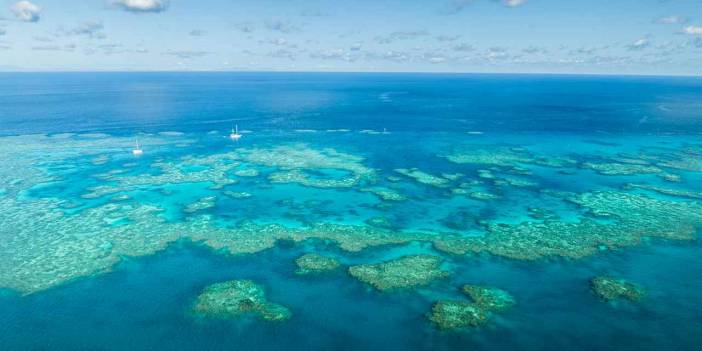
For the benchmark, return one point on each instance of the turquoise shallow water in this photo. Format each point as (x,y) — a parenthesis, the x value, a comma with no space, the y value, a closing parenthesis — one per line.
(533,185)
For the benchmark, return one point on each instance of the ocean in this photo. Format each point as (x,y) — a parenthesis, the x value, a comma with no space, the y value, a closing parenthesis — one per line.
(571,204)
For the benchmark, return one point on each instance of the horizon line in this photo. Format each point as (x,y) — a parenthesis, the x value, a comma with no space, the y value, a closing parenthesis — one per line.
(457,73)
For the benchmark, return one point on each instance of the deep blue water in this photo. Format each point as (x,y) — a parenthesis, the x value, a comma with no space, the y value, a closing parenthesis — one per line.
(142,304)
(42,102)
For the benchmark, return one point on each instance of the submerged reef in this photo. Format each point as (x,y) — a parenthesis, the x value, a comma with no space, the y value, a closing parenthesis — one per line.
(201,204)
(504,156)
(385,193)
(615,169)
(77,242)
(295,162)
(238,194)
(452,314)
(405,272)
(634,217)
(457,314)
(423,177)
(482,196)
(489,298)
(666,191)
(249,172)
(493,156)
(379,222)
(237,297)
(315,263)
(609,289)
(49,240)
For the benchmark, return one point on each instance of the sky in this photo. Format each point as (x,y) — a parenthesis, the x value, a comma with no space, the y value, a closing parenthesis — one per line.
(651,37)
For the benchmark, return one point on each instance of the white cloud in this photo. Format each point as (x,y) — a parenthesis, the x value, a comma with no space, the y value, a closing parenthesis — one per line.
(672,20)
(463,47)
(142,5)
(92,29)
(436,59)
(693,30)
(26,11)
(187,54)
(639,44)
(278,25)
(514,3)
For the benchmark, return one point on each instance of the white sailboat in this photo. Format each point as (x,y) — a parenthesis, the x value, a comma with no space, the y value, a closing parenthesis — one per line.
(137,151)
(235,133)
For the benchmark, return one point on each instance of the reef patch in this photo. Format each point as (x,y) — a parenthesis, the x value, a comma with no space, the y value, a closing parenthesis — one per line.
(235,298)
(402,273)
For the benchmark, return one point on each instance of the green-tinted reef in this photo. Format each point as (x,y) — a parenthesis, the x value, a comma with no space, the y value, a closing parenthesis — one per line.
(385,193)
(315,263)
(235,298)
(489,298)
(49,240)
(615,169)
(405,272)
(450,315)
(609,289)
(423,177)
(458,314)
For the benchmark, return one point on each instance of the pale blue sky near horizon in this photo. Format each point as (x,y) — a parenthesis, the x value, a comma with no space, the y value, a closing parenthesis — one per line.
(657,37)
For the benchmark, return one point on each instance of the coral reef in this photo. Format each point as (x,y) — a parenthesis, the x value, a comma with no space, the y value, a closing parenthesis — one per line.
(201,204)
(450,315)
(237,297)
(315,263)
(303,178)
(489,298)
(301,157)
(504,156)
(405,272)
(385,193)
(493,156)
(635,217)
(249,172)
(458,314)
(51,240)
(379,222)
(238,194)
(483,196)
(666,191)
(609,289)
(423,177)
(618,169)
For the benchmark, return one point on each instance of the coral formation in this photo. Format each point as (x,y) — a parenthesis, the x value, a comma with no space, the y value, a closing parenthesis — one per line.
(450,315)
(49,240)
(483,196)
(608,289)
(237,194)
(201,204)
(237,297)
(249,172)
(457,314)
(315,263)
(618,169)
(504,156)
(379,222)
(423,177)
(666,191)
(489,298)
(405,272)
(385,193)
(301,157)
(493,156)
